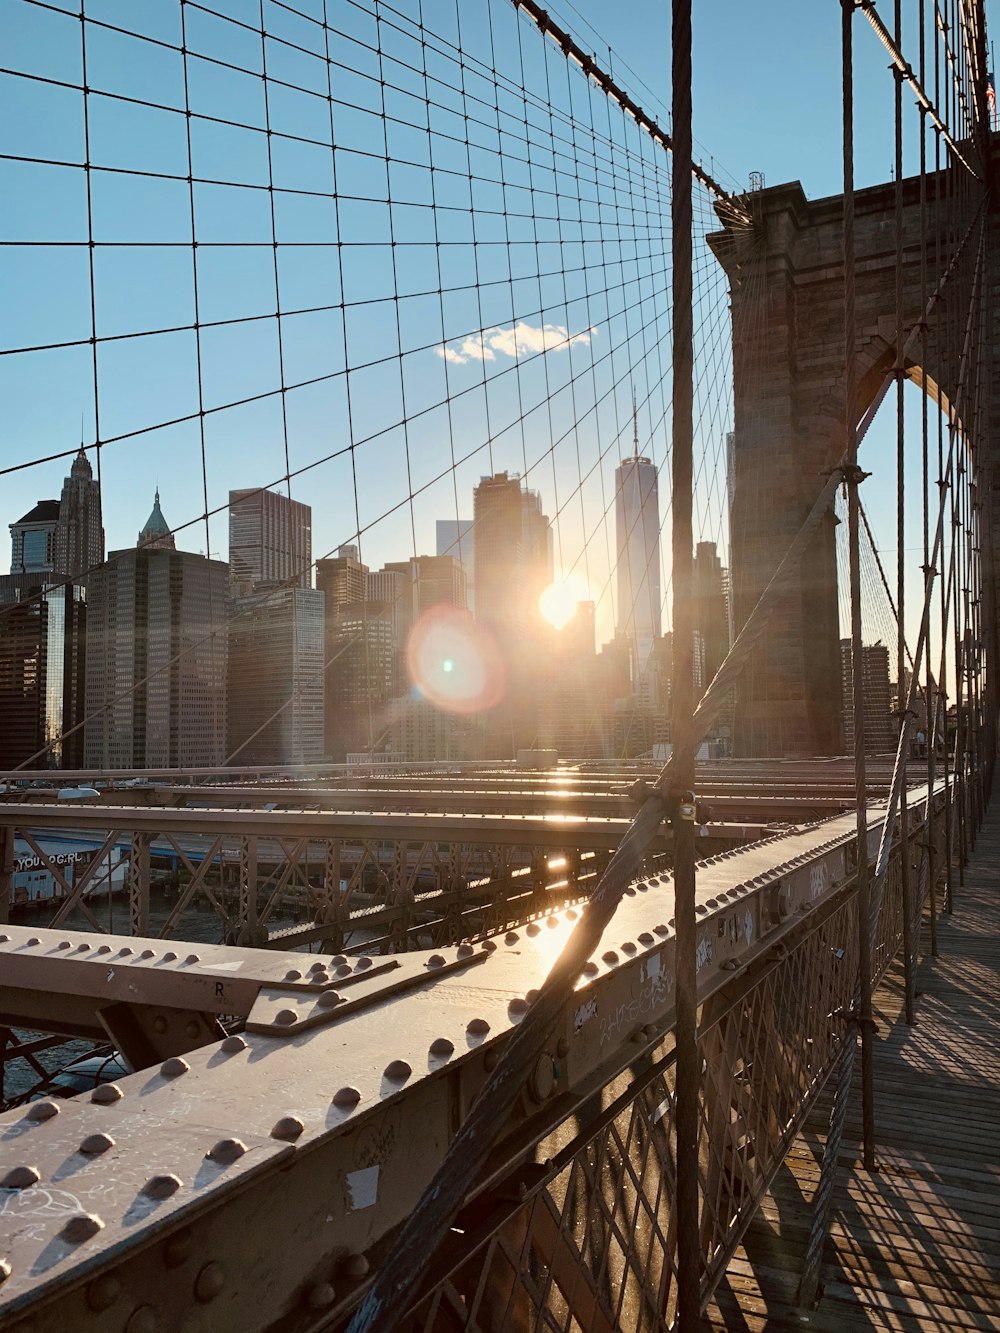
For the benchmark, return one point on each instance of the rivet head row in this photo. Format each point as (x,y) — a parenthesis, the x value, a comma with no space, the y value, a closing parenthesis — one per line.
(80,1227)
(106,1094)
(346,1097)
(397,1070)
(142,1320)
(174,1067)
(293,975)
(226,1151)
(435,960)
(329,999)
(209,1282)
(590,969)
(442,1046)
(288,1128)
(465,951)
(161,1187)
(318,967)
(232,1045)
(44,1110)
(477,1027)
(286,1017)
(517,1007)
(609,956)
(21,1178)
(533,928)
(355,1266)
(95,1144)
(320,1296)
(103,1292)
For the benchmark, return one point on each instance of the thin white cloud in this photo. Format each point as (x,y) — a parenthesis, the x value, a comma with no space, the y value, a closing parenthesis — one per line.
(520,339)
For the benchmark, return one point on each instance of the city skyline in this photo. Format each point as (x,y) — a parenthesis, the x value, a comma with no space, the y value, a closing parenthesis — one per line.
(185,536)
(194,660)
(343,442)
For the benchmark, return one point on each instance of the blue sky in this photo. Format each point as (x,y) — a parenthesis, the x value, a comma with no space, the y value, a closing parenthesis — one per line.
(537,239)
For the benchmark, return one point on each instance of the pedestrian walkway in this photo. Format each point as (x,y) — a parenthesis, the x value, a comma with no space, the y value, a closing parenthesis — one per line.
(916,1245)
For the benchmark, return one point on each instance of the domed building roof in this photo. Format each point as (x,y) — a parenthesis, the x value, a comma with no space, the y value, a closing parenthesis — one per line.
(156,534)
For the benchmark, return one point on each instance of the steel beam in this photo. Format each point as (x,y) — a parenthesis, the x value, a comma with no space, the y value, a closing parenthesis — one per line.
(314,1133)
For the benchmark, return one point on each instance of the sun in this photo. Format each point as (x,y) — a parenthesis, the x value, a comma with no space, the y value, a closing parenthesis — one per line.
(559,601)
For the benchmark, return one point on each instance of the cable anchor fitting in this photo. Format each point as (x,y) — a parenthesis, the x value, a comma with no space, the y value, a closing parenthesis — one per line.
(852,474)
(676,805)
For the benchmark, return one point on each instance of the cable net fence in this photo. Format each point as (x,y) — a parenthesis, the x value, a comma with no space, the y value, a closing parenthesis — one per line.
(584,1235)
(360,257)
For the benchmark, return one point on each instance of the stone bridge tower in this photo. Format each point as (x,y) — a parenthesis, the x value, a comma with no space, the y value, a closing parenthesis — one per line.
(786,279)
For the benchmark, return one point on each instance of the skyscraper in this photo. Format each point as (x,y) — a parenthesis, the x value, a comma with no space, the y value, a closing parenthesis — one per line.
(270,540)
(513,552)
(155,534)
(428,580)
(42,639)
(62,539)
(711,607)
(637,533)
(341,579)
(275,677)
(156,656)
(455,537)
(361,672)
(33,541)
(513,561)
(43,624)
(880,725)
(79,544)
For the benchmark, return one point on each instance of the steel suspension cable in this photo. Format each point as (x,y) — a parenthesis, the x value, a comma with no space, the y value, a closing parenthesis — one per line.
(686,1164)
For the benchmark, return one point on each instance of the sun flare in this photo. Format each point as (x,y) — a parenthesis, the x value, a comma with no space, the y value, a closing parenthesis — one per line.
(559,601)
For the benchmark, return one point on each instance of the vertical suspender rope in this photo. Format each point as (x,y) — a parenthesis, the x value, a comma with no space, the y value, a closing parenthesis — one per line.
(864,1015)
(941,347)
(904,860)
(929,859)
(688,1064)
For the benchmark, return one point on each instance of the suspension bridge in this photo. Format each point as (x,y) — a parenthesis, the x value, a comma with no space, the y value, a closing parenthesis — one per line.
(454,974)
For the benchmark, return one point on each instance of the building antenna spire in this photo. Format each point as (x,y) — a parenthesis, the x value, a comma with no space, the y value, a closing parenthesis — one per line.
(635,425)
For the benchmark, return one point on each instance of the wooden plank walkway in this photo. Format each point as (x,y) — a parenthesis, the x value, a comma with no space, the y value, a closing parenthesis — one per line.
(916,1245)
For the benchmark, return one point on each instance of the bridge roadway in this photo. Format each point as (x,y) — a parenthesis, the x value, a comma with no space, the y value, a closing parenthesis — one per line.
(914,1247)
(248,1181)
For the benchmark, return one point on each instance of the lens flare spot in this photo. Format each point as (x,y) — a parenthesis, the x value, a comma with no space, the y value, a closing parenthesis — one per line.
(559,601)
(454,661)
